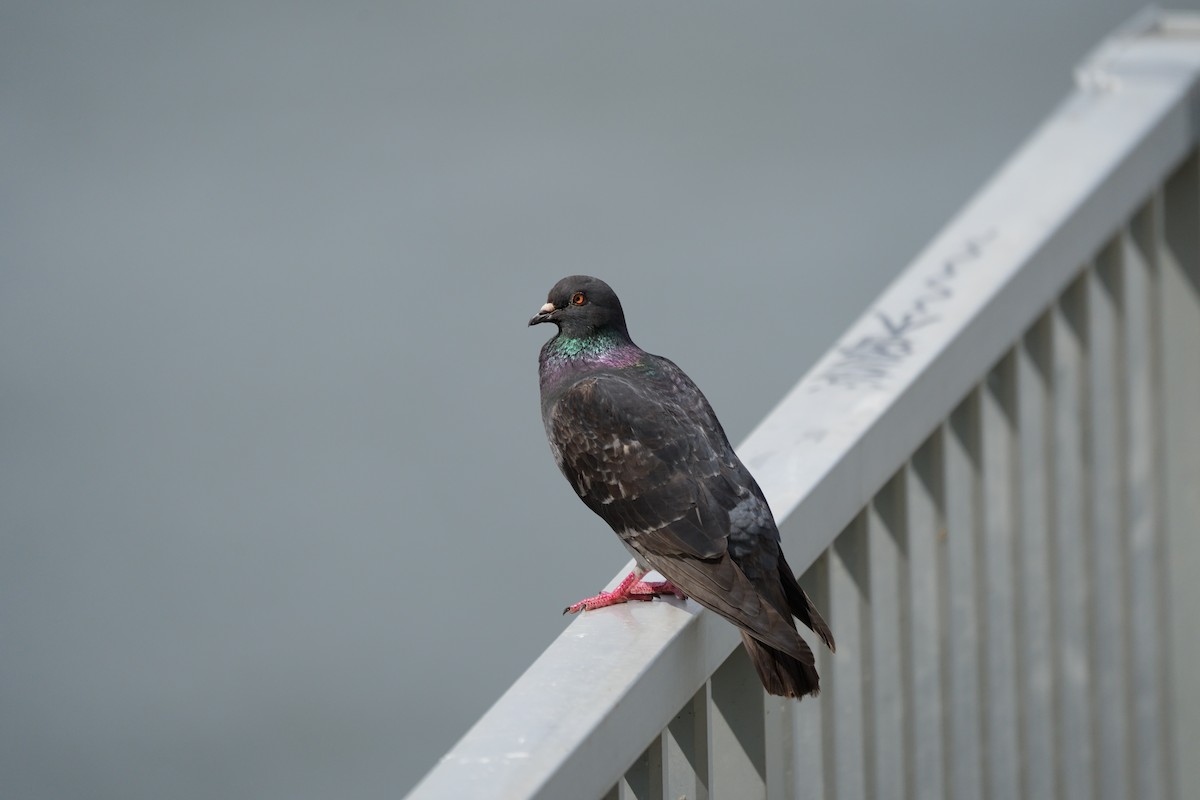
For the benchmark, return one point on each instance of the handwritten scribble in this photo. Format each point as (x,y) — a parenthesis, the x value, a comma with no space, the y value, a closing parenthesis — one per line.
(868,362)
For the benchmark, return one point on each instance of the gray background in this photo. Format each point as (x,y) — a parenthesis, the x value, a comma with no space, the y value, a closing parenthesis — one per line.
(277,517)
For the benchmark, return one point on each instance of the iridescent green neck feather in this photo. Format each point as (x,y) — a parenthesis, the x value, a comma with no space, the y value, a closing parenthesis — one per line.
(603,349)
(594,346)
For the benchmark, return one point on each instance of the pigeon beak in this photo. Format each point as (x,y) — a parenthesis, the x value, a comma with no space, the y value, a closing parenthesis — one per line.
(543,314)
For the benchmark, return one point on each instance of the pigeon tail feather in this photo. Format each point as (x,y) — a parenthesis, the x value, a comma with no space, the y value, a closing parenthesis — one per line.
(780,673)
(803,608)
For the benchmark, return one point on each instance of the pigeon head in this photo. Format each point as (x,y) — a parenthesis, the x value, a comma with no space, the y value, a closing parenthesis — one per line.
(582,306)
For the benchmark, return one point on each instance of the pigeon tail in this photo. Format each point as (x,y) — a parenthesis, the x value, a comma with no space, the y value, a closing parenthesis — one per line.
(783,674)
(780,673)
(803,608)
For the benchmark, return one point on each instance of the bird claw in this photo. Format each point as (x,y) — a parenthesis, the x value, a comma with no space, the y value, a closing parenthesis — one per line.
(596,601)
(644,591)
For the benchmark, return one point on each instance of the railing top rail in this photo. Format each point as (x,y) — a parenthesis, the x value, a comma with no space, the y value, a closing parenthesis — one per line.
(593,701)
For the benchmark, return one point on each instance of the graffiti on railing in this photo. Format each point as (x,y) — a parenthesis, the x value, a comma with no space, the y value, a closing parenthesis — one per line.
(868,362)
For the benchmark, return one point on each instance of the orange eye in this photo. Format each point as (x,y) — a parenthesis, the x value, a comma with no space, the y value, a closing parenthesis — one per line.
(578,299)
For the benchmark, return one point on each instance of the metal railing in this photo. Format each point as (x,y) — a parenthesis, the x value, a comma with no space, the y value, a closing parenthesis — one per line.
(994,483)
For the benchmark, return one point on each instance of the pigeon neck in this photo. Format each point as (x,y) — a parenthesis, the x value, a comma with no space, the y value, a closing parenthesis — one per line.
(603,348)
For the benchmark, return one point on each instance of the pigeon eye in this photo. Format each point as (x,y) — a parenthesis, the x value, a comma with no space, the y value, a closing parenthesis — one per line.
(578,299)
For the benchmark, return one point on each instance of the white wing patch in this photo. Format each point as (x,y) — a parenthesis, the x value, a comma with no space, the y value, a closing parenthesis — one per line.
(633,533)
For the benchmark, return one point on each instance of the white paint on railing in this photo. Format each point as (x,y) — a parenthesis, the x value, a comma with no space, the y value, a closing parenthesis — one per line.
(993,566)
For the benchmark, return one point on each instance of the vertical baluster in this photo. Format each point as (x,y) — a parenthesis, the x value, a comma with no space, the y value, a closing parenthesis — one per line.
(926,531)
(1142,518)
(889,648)
(779,726)
(1109,598)
(1035,565)
(847,617)
(1001,504)
(963,705)
(812,730)
(644,780)
(736,744)
(685,750)
(1179,337)
(1071,464)
(656,773)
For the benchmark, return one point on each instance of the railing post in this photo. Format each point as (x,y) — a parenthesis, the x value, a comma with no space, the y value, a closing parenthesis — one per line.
(812,720)
(737,748)
(1145,534)
(926,522)
(1001,504)
(849,615)
(1109,562)
(1070,544)
(685,750)
(961,462)
(1035,565)
(1179,306)
(887,537)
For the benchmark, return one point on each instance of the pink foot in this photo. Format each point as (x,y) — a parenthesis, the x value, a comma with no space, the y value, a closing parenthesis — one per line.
(631,588)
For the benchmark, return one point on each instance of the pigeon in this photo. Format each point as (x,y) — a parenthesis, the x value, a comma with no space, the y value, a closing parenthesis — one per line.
(642,448)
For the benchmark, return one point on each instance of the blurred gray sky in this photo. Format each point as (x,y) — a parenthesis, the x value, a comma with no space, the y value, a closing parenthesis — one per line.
(277,516)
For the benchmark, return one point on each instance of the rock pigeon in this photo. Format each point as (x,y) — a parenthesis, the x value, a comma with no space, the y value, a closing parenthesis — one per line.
(643,449)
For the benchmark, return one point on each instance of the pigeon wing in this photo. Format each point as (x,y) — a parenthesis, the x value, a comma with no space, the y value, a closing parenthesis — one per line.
(635,460)
(666,483)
